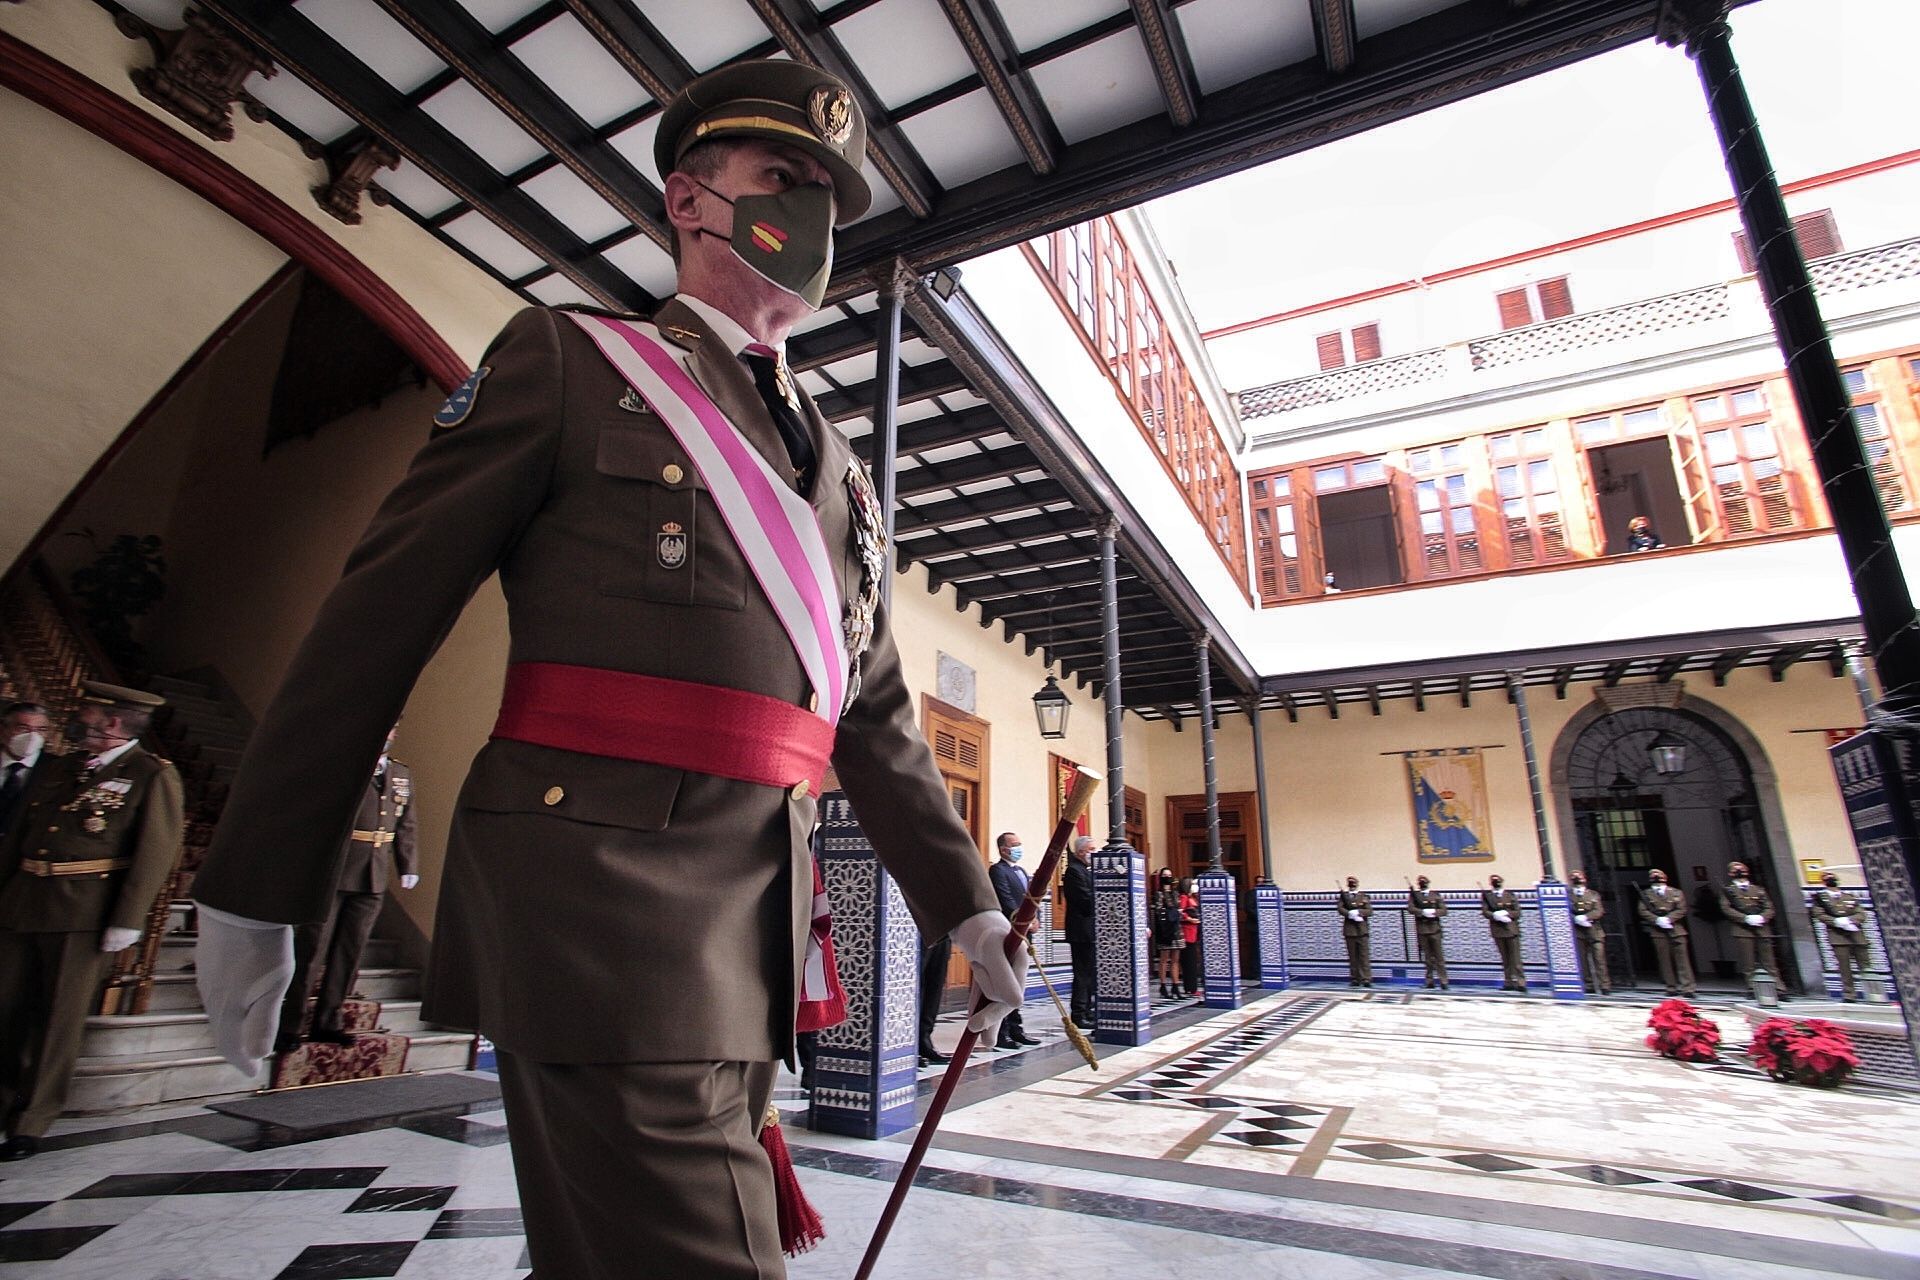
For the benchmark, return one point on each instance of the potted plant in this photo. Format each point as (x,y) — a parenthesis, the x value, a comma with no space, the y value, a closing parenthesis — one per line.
(1814,1052)
(1680,1032)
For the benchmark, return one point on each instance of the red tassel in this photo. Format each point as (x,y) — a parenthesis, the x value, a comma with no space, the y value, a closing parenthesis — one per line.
(800,1225)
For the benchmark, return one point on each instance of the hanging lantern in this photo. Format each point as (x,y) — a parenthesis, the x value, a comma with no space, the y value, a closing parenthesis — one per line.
(1050,707)
(1668,753)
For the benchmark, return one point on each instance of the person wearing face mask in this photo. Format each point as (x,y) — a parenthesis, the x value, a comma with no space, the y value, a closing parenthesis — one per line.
(692,561)
(1010,887)
(23,739)
(1592,939)
(1429,911)
(1169,932)
(1663,913)
(1845,918)
(1749,912)
(1502,911)
(98,833)
(1356,913)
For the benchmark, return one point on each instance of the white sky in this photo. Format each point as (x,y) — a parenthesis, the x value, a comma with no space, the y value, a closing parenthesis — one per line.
(1608,141)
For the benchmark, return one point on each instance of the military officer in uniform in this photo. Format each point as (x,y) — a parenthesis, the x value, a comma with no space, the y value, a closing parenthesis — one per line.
(627,891)
(1587,912)
(1429,910)
(1749,912)
(1663,912)
(1356,914)
(380,850)
(1845,918)
(98,834)
(1502,911)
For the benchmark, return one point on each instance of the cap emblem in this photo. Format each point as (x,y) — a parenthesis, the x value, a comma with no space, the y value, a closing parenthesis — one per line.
(830,111)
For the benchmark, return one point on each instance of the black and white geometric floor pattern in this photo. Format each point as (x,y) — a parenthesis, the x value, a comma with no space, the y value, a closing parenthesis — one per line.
(1257,1036)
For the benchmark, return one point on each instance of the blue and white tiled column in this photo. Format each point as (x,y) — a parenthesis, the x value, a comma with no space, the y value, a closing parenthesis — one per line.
(1269,907)
(865,1068)
(1120,945)
(1219,940)
(1555,907)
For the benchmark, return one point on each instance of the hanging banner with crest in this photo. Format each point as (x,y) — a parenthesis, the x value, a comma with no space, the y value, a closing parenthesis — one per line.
(1451,818)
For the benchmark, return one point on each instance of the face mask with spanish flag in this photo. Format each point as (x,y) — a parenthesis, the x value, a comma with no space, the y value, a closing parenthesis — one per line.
(786,238)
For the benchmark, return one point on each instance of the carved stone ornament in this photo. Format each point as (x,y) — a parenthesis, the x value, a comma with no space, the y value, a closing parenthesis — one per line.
(199,71)
(351,174)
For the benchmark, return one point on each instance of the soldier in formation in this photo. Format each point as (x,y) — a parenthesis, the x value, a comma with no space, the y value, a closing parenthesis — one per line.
(1356,913)
(1663,912)
(1502,911)
(1429,911)
(1845,919)
(1587,911)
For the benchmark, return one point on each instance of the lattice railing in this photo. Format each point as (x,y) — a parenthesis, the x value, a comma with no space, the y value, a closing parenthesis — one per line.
(1593,328)
(1343,384)
(1864,267)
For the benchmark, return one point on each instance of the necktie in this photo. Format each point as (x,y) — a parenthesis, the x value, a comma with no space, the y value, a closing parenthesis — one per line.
(16,779)
(775,385)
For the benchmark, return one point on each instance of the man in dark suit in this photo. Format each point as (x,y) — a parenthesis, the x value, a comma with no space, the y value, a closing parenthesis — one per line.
(23,740)
(627,893)
(1077,885)
(1010,887)
(98,835)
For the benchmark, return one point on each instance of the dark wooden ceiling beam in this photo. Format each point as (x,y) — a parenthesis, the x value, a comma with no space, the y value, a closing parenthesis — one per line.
(1723,666)
(1078,549)
(1419,695)
(458,39)
(1373,698)
(635,44)
(988,464)
(917,382)
(1465,687)
(1175,642)
(1780,661)
(1611,676)
(841,340)
(1071,607)
(1027,583)
(291,40)
(1331,697)
(1292,708)
(1561,677)
(1172,64)
(928,541)
(937,432)
(797,27)
(983,34)
(1335,34)
(1837,661)
(1670,667)
(1170,712)
(1001,501)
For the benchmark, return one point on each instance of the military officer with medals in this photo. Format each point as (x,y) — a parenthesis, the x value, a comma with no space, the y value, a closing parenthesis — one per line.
(1749,912)
(627,893)
(1356,912)
(1845,918)
(380,850)
(98,832)
(1502,911)
(1587,912)
(1429,911)
(1663,913)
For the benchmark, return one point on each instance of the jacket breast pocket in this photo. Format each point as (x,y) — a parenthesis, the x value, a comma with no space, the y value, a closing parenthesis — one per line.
(661,538)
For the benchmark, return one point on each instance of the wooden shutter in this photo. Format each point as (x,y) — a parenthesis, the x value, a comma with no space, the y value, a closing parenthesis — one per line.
(1331,350)
(1306,528)
(1696,486)
(1556,299)
(1514,308)
(1366,343)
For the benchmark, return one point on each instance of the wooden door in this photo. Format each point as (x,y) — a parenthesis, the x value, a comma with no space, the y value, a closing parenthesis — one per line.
(1136,811)
(1690,468)
(960,744)
(1239,837)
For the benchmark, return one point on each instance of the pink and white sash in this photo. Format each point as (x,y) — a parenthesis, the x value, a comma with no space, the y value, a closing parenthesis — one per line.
(775,528)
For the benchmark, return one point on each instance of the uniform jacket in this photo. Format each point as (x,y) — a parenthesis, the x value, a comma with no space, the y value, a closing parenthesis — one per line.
(1829,905)
(370,864)
(1587,903)
(592,909)
(1657,901)
(1419,900)
(137,805)
(1504,900)
(1355,900)
(1009,885)
(1737,904)
(1077,884)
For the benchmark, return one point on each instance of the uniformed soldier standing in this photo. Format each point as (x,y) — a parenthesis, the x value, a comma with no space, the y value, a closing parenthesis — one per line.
(1587,911)
(98,834)
(1502,911)
(1663,911)
(1749,912)
(628,888)
(381,848)
(1428,910)
(1356,912)
(1845,917)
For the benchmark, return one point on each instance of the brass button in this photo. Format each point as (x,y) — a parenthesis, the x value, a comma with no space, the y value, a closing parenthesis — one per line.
(672,473)
(801,789)
(813,702)
(555,795)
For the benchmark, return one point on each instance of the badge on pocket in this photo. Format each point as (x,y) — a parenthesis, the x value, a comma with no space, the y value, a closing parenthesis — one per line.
(671,545)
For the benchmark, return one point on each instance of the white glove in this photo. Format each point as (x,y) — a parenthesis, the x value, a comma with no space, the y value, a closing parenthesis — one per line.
(1664,922)
(1503,917)
(1429,912)
(118,939)
(1756,921)
(983,939)
(1354,915)
(1848,925)
(1582,921)
(243,969)
(407,882)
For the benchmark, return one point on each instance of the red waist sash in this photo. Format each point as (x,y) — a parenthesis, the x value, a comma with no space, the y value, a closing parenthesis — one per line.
(705,728)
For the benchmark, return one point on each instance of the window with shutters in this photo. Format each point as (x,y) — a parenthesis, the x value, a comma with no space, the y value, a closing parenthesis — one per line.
(1444,502)
(1754,490)
(1528,490)
(1876,440)
(1816,233)
(1532,303)
(1344,347)
(1276,541)
(1633,424)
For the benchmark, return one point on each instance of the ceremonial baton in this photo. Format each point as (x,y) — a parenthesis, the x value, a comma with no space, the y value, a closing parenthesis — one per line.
(1084,786)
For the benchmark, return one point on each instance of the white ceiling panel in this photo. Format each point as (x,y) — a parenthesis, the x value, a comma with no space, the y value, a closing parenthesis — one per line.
(707,32)
(414,189)
(813,384)
(958,400)
(963,139)
(497,15)
(818,320)
(558,291)
(1033,23)
(470,117)
(1235,40)
(1101,87)
(571,200)
(363,30)
(645,263)
(916,351)
(636,144)
(288,96)
(580,70)
(1371,17)
(915,410)
(905,48)
(493,246)
(852,370)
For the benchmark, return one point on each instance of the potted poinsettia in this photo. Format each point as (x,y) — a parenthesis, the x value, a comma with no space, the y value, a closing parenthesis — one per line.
(1681,1033)
(1814,1052)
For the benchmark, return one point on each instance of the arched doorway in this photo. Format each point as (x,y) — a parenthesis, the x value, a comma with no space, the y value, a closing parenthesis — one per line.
(1688,808)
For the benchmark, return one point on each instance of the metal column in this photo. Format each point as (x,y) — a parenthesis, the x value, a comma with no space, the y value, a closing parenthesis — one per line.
(1219,908)
(1120,937)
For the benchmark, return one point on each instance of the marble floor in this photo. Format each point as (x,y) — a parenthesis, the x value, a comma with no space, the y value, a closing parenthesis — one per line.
(1319,1135)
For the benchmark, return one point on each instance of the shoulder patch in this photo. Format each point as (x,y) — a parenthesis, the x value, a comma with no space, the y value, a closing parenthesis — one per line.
(461,402)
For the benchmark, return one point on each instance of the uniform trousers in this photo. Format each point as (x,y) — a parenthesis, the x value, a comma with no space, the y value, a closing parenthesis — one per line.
(339,941)
(1676,966)
(643,1169)
(1433,954)
(1359,959)
(1750,950)
(1850,955)
(1513,974)
(47,986)
(1593,960)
